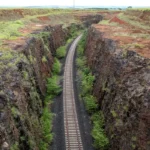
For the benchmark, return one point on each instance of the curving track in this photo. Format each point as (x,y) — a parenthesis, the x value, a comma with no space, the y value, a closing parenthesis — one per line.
(71,126)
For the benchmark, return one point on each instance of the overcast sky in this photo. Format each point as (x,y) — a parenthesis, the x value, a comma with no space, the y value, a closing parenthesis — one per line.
(77,2)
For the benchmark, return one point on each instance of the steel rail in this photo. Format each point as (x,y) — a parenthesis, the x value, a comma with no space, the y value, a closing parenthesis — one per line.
(73,139)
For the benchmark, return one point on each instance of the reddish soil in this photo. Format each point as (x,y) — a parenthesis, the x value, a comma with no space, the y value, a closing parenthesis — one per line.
(44,18)
(125,40)
(117,20)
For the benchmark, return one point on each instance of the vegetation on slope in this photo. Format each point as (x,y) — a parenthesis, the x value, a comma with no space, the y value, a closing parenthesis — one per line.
(9,30)
(53,89)
(86,87)
(61,52)
(11,25)
(134,21)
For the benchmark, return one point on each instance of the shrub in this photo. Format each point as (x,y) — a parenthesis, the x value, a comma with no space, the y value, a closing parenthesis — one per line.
(47,125)
(46,122)
(87,84)
(69,41)
(15,146)
(86,70)
(61,52)
(43,145)
(83,41)
(80,51)
(73,30)
(98,133)
(81,63)
(53,88)
(90,103)
(56,67)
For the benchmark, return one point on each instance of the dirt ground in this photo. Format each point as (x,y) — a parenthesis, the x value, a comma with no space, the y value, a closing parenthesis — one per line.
(126,34)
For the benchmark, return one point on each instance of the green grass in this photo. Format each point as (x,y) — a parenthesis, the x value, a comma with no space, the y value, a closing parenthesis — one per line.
(9,30)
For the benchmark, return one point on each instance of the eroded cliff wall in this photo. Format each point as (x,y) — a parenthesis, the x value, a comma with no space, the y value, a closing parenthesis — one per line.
(23,87)
(122,88)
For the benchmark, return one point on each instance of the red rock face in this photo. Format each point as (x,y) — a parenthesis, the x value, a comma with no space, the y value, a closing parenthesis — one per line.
(122,88)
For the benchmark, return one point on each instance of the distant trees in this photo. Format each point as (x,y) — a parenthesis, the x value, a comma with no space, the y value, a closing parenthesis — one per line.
(129,7)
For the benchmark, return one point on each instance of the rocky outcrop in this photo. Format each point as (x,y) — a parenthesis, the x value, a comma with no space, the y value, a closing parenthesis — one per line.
(122,88)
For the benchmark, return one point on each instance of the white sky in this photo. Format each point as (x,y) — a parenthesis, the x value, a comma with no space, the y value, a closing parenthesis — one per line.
(77,2)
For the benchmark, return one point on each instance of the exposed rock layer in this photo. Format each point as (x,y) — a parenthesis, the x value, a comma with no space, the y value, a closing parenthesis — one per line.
(122,88)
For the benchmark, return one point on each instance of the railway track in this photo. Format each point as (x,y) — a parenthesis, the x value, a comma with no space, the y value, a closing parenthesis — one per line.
(73,139)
